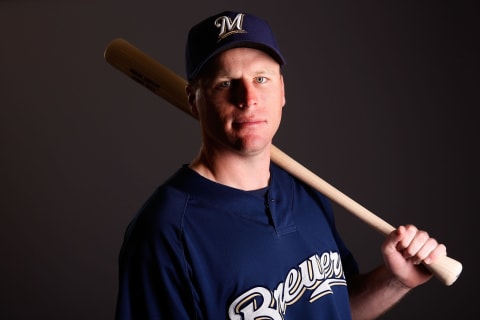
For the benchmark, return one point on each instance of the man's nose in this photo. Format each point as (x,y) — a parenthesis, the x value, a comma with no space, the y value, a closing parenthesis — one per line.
(247,94)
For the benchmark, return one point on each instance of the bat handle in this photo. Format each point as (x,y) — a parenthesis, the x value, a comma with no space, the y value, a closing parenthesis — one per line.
(446,269)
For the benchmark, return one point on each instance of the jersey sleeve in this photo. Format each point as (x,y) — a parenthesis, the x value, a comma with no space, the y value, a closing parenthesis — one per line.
(153,273)
(349,263)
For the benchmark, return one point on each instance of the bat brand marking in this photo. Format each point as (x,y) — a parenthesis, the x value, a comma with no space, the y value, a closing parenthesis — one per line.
(143,80)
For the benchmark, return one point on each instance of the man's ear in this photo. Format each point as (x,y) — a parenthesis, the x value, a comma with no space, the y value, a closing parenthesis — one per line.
(192,100)
(283,91)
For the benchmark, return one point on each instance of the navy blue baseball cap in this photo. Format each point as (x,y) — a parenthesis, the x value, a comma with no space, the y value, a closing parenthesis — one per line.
(224,31)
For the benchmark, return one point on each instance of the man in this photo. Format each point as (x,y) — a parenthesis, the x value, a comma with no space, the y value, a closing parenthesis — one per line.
(233,236)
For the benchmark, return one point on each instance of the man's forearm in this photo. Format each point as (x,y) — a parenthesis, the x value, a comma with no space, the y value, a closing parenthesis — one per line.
(374,293)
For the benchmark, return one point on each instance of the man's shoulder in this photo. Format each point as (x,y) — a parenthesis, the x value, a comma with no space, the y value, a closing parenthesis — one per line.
(166,204)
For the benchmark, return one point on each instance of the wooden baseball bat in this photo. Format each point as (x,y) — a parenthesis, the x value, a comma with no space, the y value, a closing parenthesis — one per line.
(165,83)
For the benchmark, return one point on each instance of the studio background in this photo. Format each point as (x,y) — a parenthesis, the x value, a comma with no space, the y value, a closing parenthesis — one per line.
(382,102)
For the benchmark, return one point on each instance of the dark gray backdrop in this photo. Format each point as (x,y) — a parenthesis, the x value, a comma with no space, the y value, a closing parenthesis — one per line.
(382,102)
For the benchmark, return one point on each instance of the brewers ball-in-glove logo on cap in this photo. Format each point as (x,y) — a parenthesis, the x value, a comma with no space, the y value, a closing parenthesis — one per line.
(224,31)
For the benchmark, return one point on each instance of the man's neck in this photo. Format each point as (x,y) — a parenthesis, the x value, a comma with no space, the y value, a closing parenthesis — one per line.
(233,169)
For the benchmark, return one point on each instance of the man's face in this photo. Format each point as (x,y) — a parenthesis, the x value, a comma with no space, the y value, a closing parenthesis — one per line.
(239,101)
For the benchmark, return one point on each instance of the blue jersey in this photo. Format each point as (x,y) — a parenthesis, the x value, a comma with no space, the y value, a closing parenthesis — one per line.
(201,250)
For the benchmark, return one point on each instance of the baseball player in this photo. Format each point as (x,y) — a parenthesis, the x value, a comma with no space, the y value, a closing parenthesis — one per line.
(230,235)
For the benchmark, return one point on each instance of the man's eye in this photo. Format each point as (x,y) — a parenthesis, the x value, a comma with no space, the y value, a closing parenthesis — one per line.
(261,79)
(225,84)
